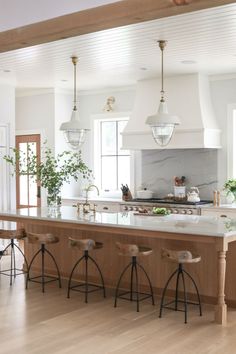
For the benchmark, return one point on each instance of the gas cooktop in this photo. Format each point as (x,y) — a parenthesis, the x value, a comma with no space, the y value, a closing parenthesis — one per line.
(170,201)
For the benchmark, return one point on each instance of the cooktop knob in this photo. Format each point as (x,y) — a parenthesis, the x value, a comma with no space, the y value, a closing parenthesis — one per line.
(130,208)
(183,211)
(136,208)
(175,211)
(125,207)
(189,212)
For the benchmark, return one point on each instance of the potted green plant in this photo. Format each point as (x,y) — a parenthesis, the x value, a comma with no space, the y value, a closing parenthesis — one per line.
(230,188)
(52,171)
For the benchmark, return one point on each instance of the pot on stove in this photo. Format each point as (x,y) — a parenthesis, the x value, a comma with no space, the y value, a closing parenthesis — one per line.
(144,194)
(193,195)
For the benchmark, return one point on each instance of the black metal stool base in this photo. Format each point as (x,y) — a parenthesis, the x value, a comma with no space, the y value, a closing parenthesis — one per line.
(83,287)
(43,277)
(180,272)
(133,295)
(13,272)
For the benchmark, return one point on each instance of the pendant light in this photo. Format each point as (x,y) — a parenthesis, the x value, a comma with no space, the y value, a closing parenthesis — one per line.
(74,131)
(162,123)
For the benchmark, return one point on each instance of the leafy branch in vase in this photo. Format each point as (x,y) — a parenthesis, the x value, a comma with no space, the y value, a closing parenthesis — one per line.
(52,171)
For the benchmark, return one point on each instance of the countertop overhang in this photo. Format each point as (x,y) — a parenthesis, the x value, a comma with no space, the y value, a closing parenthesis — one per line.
(178,224)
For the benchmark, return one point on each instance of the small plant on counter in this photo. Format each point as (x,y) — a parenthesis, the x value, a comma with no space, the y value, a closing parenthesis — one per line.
(230,188)
(52,171)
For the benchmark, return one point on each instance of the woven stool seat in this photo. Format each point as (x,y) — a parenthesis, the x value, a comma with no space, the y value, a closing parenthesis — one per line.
(85,244)
(42,239)
(133,250)
(180,256)
(12,234)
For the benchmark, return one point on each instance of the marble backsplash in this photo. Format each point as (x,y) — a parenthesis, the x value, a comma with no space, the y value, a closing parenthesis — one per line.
(199,166)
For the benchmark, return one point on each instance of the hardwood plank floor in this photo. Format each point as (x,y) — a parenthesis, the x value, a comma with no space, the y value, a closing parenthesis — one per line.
(36,323)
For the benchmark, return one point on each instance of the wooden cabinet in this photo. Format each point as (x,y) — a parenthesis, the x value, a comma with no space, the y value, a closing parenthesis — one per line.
(224,212)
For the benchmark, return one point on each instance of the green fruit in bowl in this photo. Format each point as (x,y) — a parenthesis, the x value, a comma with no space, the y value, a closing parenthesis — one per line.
(160,211)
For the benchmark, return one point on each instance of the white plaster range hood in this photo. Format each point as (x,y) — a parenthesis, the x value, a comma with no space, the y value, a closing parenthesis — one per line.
(188,97)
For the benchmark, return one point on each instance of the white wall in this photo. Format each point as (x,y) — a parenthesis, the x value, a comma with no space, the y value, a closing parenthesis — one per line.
(223,93)
(35,113)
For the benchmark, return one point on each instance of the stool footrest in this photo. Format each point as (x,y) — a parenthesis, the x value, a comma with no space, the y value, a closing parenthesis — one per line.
(166,306)
(81,285)
(50,279)
(4,271)
(134,296)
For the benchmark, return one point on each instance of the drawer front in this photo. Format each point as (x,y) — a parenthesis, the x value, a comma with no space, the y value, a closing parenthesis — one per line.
(108,207)
(219,213)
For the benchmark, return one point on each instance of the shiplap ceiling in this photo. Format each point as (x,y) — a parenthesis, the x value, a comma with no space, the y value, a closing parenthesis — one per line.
(121,56)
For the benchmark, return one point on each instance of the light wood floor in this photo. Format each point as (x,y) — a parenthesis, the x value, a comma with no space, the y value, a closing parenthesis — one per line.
(36,323)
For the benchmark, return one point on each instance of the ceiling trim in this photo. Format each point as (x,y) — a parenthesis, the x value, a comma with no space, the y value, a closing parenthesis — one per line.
(117,14)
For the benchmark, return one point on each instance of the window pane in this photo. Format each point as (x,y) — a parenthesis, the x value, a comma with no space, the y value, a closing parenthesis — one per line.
(108,138)
(23,155)
(32,147)
(32,191)
(109,179)
(123,170)
(121,126)
(23,189)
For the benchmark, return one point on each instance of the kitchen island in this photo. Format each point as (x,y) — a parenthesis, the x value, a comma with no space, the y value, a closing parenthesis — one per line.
(210,237)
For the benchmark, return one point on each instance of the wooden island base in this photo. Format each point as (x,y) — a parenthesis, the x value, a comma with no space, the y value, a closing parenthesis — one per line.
(209,274)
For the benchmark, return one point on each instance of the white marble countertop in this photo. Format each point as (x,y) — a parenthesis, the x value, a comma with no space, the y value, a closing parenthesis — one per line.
(183,224)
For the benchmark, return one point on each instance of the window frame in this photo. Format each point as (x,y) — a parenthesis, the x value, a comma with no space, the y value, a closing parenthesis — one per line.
(97,149)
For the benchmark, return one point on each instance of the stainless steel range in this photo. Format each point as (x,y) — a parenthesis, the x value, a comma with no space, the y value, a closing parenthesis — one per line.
(175,207)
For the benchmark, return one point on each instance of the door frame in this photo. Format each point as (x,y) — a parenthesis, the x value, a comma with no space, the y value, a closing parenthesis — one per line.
(29,136)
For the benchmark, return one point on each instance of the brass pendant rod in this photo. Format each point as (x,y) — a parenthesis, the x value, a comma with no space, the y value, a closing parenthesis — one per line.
(162,45)
(74,61)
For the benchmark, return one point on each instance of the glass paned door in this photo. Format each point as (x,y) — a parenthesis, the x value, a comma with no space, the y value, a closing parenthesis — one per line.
(27,188)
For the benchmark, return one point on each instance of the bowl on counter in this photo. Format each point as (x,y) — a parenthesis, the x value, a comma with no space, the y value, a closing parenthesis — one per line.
(144,194)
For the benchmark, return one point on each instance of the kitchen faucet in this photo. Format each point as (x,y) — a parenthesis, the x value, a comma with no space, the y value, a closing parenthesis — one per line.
(88,189)
(86,205)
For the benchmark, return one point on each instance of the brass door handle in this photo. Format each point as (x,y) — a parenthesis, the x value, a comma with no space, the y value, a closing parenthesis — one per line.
(223,216)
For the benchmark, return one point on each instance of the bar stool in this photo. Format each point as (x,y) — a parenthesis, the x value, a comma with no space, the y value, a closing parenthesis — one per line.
(85,246)
(10,232)
(133,251)
(180,257)
(43,240)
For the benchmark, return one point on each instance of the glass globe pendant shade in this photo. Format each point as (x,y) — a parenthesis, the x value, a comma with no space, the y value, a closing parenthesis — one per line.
(162,133)
(74,131)
(162,124)
(75,138)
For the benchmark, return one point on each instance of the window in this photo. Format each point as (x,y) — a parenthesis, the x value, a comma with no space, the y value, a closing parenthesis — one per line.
(111,163)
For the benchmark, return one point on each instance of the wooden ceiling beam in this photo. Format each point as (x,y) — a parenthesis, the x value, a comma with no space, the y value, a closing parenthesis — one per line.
(117,14)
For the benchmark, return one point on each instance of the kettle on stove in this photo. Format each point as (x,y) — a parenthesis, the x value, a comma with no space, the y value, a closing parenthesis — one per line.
(193,195)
